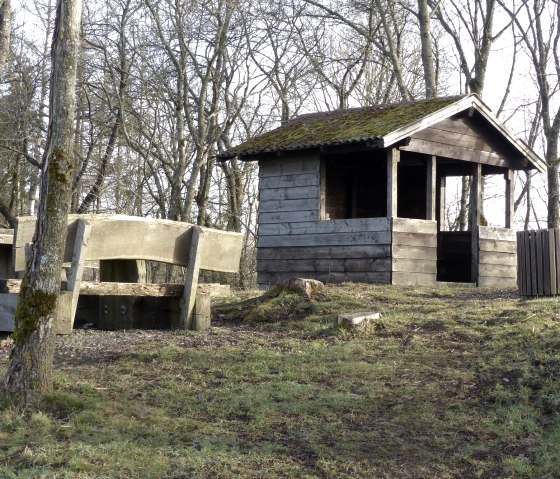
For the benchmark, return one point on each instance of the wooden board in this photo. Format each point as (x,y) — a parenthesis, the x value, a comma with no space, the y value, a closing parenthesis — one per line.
(406,225)
(498,258)
(289,181)
(327,239)
(271,206)
(498,271)
(282,167)
(457,152)
(7,237)
(288,217)
(496,282)
(415,239)
(127,237)
(407,278)
(497,246)
(288,193)
(325,265)
(327,252)
(495,233)
(354,225)
(415,266)
(414,252)
(264,279)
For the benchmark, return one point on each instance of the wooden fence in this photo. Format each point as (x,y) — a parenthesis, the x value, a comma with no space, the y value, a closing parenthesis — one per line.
(538,261)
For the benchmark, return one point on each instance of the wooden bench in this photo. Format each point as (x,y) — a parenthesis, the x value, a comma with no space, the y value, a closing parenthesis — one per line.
(119,241)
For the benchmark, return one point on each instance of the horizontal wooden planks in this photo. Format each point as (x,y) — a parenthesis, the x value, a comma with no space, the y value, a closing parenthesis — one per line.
(355,225)
(296,205)
(414,252)
(355,249)
(270,278)
(497,257)
(495,233)
(457,152)
(288,216)
(325,265)
(412,279)
(292,166)
(302,180)
(326,239)
(326,252)
(288,193)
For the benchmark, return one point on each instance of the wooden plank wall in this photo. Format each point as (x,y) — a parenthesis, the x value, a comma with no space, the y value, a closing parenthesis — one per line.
(497,257)
(294,242)
(414,260)
(538,255)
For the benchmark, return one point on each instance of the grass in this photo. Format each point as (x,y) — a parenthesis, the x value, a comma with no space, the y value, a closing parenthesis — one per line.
(453,383)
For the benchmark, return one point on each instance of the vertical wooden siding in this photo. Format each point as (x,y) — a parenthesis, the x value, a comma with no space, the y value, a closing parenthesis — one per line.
(414,251)
(293,241)
(497,257)
(538,255)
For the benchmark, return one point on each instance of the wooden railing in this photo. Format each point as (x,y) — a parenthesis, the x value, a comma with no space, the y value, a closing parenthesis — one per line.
(538,261)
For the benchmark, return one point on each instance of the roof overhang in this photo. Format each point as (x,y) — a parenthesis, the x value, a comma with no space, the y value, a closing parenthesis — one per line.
(464,104)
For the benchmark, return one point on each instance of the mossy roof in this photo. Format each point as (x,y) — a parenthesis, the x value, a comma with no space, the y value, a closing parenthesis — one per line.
(337,127)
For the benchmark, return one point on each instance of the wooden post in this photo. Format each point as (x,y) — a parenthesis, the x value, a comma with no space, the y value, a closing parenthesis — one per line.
(476,189)
(68,303)
(393,157)
(323,189)
(431,189)
(442,210)
(191,278)
(202,312)
(510,201)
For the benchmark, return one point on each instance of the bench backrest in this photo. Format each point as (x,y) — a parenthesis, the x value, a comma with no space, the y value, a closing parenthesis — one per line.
(128,237)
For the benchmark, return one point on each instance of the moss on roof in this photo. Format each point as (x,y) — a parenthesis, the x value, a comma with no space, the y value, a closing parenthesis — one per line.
(340,126)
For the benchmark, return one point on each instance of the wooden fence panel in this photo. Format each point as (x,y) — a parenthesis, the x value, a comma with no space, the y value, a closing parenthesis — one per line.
(538,265)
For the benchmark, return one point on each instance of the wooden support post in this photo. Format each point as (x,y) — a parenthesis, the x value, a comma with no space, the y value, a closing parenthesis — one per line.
(393,157)
(202,312)
(431,188)
(442,211)
(476,190)
(68,301)
(510,201)
(191,278)
(323,189)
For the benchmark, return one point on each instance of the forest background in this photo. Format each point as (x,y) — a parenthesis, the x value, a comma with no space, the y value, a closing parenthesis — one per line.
(166,85)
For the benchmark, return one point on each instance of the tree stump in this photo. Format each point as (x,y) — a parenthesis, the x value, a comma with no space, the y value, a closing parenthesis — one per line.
(304,286)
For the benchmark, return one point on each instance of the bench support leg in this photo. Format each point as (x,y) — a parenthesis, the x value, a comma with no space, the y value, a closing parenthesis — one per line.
(191,279)
(68,300)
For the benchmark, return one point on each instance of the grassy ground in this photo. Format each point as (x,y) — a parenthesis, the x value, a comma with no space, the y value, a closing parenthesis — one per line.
(452,383)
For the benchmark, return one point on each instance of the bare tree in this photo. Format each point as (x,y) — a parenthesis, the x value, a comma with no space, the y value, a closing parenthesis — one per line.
(29,372)
(538,24)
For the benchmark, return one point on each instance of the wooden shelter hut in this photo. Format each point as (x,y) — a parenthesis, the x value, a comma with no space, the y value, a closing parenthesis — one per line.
(359,194)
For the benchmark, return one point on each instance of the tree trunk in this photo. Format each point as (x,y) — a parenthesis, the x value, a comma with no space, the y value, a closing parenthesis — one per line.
(427,53)
(29,372)
(5,31)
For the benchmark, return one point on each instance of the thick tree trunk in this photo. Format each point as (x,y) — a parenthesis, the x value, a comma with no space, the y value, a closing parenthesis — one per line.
(427,54)
(29,373)
(5,31)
